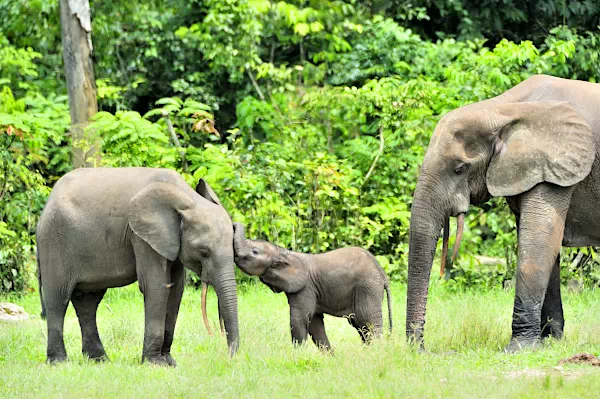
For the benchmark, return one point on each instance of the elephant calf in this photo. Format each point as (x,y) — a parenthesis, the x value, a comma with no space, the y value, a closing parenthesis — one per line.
(344,282)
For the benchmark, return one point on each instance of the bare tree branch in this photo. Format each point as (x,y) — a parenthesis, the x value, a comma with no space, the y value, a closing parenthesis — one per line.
(251,76)
(381,146)
(176,142)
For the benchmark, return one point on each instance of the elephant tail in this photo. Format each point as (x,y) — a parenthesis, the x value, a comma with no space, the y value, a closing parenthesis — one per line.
(39,276)
(389,301)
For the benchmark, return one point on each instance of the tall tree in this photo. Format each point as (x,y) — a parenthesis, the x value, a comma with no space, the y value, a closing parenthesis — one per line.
(79,70)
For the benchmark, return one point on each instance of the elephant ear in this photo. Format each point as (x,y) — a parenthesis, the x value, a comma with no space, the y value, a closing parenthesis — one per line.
(207,192)
(274,289)
(539,142)
(287,274)
(155,217)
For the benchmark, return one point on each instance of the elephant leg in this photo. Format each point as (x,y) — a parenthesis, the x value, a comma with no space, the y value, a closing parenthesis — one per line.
(368,317)
(553,322)
(155,281)
(316,329)
(302,308)
(178,280)
(542,220)
(86,305)
(57,294)
(56,307)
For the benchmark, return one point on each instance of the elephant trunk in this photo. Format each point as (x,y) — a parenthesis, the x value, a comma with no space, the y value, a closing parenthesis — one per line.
(239,238)
(425,226)
(225,287)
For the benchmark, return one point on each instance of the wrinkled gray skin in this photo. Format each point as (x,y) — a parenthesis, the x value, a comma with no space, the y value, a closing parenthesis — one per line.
(343,282)
(537,145)
(109,227)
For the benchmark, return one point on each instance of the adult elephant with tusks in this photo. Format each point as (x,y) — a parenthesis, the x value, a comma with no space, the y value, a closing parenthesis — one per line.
(538,146)
(108,227)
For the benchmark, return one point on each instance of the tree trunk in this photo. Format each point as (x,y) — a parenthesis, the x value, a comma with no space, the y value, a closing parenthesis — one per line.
(79,71)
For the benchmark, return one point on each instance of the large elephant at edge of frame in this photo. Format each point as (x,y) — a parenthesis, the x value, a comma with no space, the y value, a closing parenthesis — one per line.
(537,145)
(108,227)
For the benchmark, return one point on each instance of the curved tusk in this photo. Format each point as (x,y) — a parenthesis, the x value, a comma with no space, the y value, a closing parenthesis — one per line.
(203,301)
(445,246)
(460,226)
(222,326)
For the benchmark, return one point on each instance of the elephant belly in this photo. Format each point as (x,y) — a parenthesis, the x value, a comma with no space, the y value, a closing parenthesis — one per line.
(337,312)
(107,273)
(105,259)
(336,306)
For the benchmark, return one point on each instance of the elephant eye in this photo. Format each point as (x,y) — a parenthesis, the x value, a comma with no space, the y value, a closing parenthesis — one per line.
(460,168)
(204,252)
(255,251)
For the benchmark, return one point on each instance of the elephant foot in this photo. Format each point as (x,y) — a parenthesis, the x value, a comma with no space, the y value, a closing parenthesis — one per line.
(97,358)
(170,361)
(56,359)
(552,330)
(519,344)
(158,361)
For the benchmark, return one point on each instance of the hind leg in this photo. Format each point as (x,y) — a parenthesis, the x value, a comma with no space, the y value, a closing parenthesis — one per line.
(56,299)
(86,305)
(368,318)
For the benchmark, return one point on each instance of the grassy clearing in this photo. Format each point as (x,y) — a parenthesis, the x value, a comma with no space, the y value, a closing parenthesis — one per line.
(465,334)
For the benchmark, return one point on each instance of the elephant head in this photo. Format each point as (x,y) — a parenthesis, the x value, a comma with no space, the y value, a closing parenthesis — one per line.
(490,148)
(280,269)
(192,226)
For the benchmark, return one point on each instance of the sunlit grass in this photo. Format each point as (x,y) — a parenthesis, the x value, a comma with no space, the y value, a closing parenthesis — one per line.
(465,334)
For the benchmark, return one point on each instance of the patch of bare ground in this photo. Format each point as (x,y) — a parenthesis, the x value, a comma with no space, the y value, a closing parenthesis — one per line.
(537,373)
(581,358)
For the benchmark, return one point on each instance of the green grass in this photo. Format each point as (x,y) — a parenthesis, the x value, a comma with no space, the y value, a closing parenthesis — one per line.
(465,334)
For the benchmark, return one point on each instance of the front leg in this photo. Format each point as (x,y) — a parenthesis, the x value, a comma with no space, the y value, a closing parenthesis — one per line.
(175,294)
(542,210)
(316,330)
(154,278)
(302,309)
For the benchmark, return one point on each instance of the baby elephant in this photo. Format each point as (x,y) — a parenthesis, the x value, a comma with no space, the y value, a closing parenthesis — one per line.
(344,282)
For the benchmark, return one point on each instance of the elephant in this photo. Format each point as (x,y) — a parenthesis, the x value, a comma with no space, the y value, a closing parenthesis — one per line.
(108,227)
(537,145)
(346,282)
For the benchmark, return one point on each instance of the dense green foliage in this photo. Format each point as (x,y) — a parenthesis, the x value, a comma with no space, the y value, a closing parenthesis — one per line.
(309,118)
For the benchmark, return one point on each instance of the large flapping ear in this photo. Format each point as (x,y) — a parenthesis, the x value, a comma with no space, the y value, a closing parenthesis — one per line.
(155,217)
(287,274)
(207,192)
(539,142)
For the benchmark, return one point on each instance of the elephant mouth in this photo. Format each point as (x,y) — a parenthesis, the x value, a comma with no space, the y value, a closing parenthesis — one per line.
(460,225)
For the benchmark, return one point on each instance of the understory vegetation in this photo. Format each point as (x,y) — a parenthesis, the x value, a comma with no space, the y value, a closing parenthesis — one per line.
(464,339)
(308,118)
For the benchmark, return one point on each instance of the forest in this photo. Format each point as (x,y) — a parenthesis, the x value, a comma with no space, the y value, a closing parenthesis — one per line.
(309,118)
